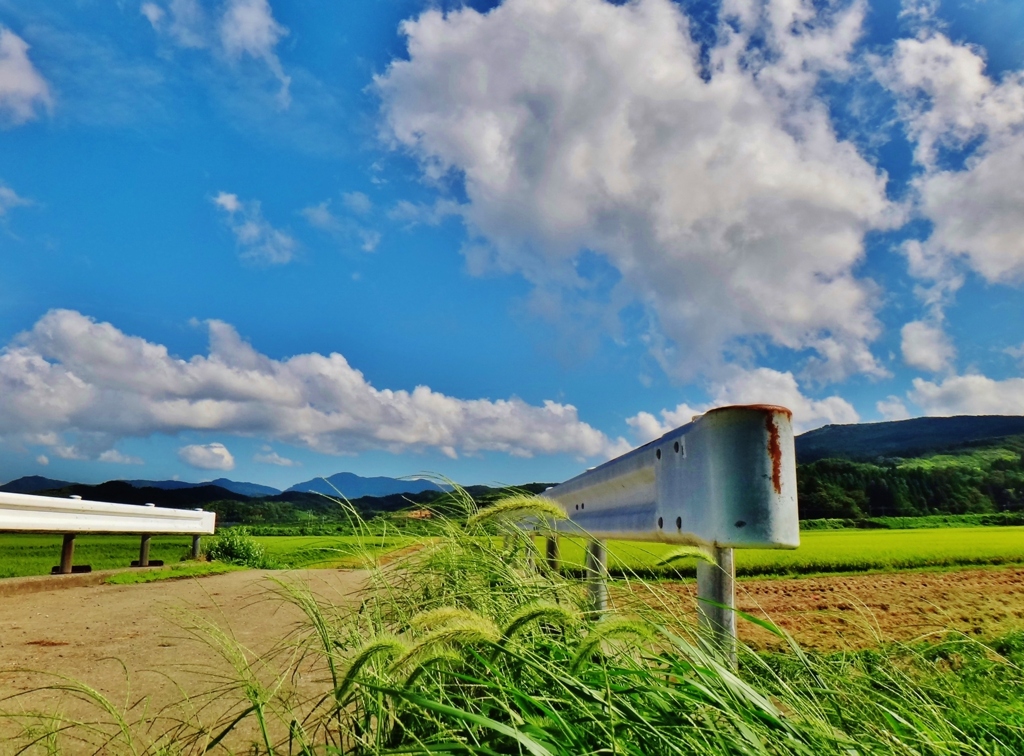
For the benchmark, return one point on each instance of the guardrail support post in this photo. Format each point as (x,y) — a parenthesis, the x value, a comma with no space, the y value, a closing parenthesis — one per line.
(716,583)
(144,551)
(195,547)
(67,553)
(552,552)
(597,575)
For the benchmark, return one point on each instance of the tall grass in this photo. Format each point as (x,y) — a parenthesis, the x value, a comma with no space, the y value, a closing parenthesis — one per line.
(471,644)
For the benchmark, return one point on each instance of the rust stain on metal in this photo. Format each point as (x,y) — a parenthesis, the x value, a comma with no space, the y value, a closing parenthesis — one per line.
(774,451)
(760,407)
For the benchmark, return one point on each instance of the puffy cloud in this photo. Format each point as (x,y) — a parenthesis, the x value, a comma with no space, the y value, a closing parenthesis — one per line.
(950,105)
(892,408)
(259,241)
(719,194)
(758,386)
(10,199)
(42,459)
(248,28)
(926,346)
(344,229)
(1017,352)
(414,214)
(270,457)
(115,457)
(242,28)
(153,13)
(972,394)
(213,456)
(70,375)
(23,91)
(357,202)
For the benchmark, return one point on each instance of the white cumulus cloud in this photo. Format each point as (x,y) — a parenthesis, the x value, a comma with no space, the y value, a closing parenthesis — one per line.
(757,386)
(72,377)
(9,199)
(720,195)
(271,457)
(23,90)
(926,346)
(235,29)
(972,394)
(115,457)
(892,408)
(213,456)
(950,104)
(258,240)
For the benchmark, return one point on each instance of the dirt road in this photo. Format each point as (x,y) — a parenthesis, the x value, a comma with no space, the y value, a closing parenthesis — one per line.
(130,643)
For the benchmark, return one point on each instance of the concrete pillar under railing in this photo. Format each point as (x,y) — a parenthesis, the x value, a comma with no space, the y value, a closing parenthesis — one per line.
(716,599)
(196,550)
(597,575)
(67,554)
(144,551)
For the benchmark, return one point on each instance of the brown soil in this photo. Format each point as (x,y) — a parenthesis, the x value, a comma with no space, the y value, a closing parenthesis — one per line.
(129,642)
(856,611)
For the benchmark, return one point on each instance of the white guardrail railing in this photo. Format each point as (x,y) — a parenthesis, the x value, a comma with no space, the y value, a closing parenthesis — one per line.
(26,513)
(726,480)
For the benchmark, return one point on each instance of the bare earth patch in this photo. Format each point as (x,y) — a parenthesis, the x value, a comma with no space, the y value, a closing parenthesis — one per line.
(128,643)
(856,611)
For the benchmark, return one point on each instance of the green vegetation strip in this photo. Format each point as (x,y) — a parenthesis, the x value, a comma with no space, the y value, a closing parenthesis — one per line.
(178,571)
(821,551)
(292,552)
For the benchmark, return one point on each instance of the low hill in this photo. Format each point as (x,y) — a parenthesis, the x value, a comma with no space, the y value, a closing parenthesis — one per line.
(121,492)
(235,486)
(31,484)
(904,438)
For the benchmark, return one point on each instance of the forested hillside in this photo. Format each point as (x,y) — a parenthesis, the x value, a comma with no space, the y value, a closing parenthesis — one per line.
(983,477)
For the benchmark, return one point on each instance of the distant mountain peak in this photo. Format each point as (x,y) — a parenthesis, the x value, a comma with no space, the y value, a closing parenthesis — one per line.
(33,484)
(353,486)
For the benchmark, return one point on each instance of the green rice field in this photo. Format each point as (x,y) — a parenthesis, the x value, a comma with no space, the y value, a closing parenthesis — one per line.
(31,554)
(327,551)
(824,551)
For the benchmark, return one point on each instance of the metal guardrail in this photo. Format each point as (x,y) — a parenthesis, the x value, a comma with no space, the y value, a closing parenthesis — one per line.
(726,480)
(26,513)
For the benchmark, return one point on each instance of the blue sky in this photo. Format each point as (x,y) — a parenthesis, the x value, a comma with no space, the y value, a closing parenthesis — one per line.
(499,241)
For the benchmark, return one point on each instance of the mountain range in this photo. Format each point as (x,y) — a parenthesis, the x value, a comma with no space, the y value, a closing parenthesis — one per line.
(349,485)
(861,441)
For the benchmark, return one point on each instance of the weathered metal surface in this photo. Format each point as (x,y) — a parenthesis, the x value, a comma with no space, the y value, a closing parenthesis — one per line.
(716,594)
(26,513)
(727,479)
(597,575)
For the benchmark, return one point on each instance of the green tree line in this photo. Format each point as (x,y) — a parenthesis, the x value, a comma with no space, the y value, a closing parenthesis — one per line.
(974,481)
